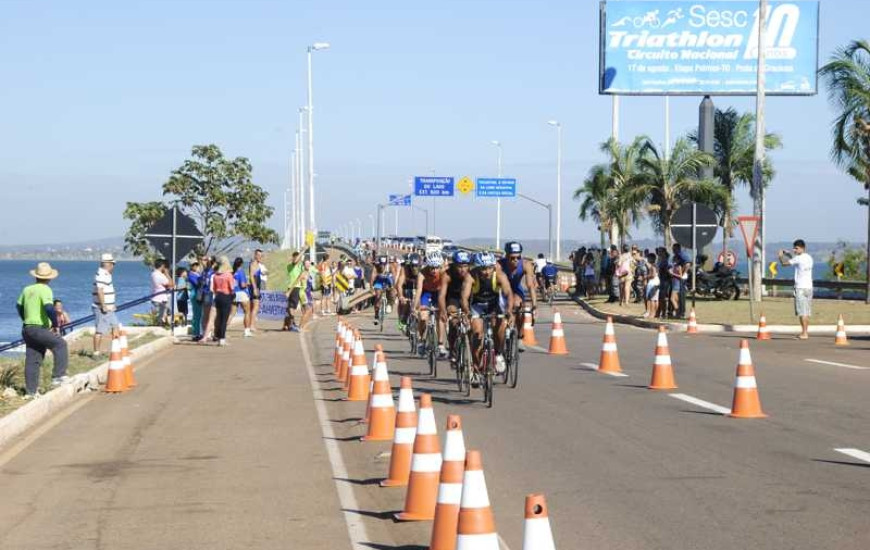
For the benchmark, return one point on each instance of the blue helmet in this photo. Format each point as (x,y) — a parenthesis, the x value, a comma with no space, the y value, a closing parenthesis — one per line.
(484,259)
(513,247)
(461,257)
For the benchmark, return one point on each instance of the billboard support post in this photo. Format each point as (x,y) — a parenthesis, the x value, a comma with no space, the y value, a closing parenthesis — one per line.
(758,165)
(706,125)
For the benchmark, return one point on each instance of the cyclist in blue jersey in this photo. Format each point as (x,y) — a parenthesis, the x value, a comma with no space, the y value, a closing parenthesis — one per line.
(382,283)
(487,294)
(549,273)
(521,274)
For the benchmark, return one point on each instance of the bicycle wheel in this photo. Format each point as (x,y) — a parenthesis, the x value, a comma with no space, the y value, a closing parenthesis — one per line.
(465,362)
(514,370)
(488,378)
(413,335)
(382,313)
(509,344)
(431,343)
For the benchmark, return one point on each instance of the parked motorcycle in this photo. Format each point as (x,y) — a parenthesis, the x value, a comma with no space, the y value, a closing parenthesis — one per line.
(720,283)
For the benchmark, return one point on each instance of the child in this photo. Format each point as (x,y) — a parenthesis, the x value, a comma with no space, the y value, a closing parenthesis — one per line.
(652,288)
(62,318)
(182,294)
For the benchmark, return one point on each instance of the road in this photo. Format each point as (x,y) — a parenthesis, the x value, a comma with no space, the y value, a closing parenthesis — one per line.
(252,447)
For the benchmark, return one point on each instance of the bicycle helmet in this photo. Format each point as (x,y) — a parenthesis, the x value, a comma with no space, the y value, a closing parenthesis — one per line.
(414,259)
(434,259)
(513,247)
(484,259)
(461,257)
(382,260)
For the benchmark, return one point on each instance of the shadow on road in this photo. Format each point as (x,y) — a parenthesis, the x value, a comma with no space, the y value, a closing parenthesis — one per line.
(842,463)
(370,481)
(377,546)
(376,515)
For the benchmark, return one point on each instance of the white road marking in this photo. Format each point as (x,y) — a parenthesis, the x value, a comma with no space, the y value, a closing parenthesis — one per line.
(855,453)
(538,349)
(701,403)
(833,364)
(593,366)
(356,529)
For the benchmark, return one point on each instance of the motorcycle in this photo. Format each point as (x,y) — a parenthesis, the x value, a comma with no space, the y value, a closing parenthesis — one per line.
(720,283)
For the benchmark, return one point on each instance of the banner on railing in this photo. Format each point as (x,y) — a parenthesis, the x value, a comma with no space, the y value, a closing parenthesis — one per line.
(273,305)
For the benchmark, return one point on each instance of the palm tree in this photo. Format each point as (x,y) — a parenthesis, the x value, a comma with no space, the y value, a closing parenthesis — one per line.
(666,183)
(734,151)
(597,196)
(848,78)
(623,170)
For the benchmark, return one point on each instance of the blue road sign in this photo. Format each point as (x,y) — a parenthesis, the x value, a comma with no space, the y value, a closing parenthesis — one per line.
(400,200)
(496,188)
(432,186)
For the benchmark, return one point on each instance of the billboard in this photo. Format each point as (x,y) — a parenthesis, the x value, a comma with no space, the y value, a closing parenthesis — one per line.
(707,47)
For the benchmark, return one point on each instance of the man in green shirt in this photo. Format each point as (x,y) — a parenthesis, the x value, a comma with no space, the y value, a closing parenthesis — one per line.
(36,309)
(294,292)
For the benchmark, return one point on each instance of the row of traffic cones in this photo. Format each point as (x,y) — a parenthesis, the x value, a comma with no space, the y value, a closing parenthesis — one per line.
(840,339)
(446,488)
(120,377)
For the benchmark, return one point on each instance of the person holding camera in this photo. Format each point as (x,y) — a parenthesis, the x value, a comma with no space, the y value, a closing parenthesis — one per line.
(803,283)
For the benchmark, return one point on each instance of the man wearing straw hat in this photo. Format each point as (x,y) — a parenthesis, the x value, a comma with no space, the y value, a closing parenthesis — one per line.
(36,309)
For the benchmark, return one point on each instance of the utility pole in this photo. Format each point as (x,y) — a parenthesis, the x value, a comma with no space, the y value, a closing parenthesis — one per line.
(758,165)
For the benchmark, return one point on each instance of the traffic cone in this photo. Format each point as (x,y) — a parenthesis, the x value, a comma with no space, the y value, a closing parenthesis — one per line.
(537,534)
(345,356)
(403,438)
(609,361)
(425,467)
(841,339)
(747,403)
(476,527)
(692,327)
(339,335)
(763,331)
(450,487)
(360,379)
(663,371)
(356,356)
(115,382)
(382,411)
(528,330)
(379,354)
(129,378)
(557,339)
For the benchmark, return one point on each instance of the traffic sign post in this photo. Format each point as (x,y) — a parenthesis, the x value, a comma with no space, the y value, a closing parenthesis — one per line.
(749,228)
(496,188)
(433,186)
(694,225)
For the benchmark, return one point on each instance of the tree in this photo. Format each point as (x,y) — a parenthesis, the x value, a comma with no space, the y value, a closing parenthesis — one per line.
(847,75)
(597,199)
(623,170)
(734,151)
(664,184)
(219,194)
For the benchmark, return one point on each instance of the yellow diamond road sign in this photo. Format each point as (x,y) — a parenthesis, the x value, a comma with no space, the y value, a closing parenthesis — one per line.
(465,185)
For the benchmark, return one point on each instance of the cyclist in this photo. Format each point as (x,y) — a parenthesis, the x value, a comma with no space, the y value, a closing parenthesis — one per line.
(521,274)
(428,286)
(382,283)
(406,282)
(489,291)
(455,279)
(549,273)
(540,263)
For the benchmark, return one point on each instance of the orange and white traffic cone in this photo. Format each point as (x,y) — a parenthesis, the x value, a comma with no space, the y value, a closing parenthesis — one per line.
(537,534)
(609,361)
(360,379)
(347,350)
(663,371)
(339,338)
(357,357)
(841,339)
(378,358)
(476,527)
(528,330)
(692,327)
(557,339)
(747,403)
(382,411)
(450,487)
(129,378)
(115,381)
(425,467)
(763,331)
(403,438)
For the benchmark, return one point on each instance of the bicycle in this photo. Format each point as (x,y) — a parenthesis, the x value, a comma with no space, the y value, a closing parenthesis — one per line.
(461,353)
(512,354)
(430,341)
(486,371)
(381,314)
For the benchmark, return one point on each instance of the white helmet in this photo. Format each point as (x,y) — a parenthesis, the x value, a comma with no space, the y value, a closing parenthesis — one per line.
(434,259)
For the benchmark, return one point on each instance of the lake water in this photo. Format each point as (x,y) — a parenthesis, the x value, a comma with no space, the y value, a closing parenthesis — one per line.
(73,287)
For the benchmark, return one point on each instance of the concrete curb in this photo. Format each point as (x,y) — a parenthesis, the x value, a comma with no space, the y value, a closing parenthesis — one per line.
(34,412)
(681,327)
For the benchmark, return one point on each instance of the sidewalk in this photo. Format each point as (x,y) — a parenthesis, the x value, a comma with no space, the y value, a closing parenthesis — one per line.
(216,448)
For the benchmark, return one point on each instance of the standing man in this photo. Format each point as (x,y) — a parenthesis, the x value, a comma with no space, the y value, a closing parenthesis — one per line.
(803,283)
(294,273)
(103,305)
(161,283)
(679,282)
(36,309)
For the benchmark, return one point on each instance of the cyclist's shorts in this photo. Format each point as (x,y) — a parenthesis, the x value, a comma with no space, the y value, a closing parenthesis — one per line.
(454,301)
(382,283)
(549,281)
(493,307)
(521,292)
(428,299)
(408,292)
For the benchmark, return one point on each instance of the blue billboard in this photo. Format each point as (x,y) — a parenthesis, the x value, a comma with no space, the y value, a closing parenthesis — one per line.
(433,186)
(707,47)
(496,188)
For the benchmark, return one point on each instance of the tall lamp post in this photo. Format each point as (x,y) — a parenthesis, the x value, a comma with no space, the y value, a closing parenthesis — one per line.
(374,229)
(317,46)
(300,183)
(558,126)
(498,201)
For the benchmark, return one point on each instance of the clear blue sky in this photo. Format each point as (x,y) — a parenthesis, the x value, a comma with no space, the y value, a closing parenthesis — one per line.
(101,100)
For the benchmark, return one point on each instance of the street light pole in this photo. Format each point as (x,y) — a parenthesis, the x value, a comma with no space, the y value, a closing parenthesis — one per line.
(314,47)
(758,165)
(300,182)
(549,208)
(498,200)
(558,126)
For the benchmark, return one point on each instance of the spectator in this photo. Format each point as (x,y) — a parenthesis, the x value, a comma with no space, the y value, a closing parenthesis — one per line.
(651,290)
(680,275)
(207,297)
(182,295)
(624,275)
(103,306)
(240,290)
(62,318)
(222,284)
(194,291)
(161,284)
(294,272)
(611,274)
(258,277)
(641,275)
(325,269)
(664,272)
(36,309)
(803,283)
(589,275)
